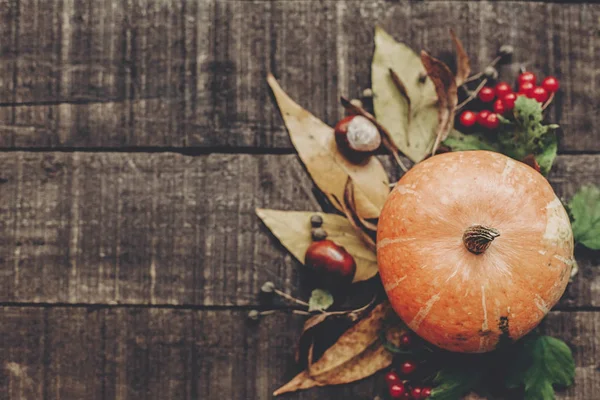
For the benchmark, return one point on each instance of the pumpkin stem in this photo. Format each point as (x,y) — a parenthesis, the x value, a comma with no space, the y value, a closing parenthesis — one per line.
(477,238)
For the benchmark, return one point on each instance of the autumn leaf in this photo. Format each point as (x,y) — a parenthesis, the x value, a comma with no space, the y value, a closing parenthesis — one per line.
(447,94)
(409,113)
(463,65)
(292,228)
(357,354)
(315,143)
(361,226)
(320,300)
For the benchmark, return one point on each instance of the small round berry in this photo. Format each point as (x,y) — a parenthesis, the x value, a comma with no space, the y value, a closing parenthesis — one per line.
(392,378)
(253,315)
(526,77)
(468,118)
(487,94)
(416,392)
(267,287)
(490,72)
(506,50)
(492,121)
(318,234)
(367,93)
(540,94)
(527,89)
(425,392)
(499,107)
(503,89)
(316,221)
(551,84)
(482,117)
(357,103)
(397,390)
(408,367)
(509,101)
(405,340)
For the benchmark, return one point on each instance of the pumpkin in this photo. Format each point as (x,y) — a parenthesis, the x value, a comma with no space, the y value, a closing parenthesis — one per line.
(474,248)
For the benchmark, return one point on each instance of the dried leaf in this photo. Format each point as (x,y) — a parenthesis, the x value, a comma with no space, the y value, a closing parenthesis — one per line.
(320,299)
(357,354)
(463,66)
(531,161)
(447,92)
(292,228)
(349,209)
(386,138)
(392,106)
(402,89)
(315,142)
(310,323)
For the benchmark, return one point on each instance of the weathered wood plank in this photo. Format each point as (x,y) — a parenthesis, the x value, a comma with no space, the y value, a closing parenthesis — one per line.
(141,353)
(164,228)
(113,73)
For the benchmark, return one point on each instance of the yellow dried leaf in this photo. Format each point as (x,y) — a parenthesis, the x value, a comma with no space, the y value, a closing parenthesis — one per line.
(357,354)
(292,228)
(315,143)
(463,65)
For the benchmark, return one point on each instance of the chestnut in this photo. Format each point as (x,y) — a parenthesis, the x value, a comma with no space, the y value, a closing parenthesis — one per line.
(331,263)
(356,137)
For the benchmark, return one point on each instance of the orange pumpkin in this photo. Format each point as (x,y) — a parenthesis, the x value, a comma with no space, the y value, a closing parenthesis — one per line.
(474,248)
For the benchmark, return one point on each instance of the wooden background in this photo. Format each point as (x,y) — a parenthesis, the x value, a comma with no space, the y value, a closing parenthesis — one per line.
(138,136)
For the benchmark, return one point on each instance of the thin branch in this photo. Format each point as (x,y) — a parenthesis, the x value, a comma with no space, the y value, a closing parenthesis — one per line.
(548,102)
(473,94)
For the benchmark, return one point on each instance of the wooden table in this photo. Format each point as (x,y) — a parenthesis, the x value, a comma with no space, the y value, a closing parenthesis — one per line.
(137,139)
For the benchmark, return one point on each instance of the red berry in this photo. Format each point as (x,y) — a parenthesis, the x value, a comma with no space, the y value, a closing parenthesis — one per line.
(468,118)
(526,77)
(499,107)
(550,83)
(540,94)
(425,392)
(509,101)
(392,378)
(492,121)
(405,339)
(396,391)
(482,117)
(408,367)
(487,94)
(527,89)
(502,89)
(416,392)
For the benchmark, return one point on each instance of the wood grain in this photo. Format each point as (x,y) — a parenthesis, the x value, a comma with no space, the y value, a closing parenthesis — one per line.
(158,73)
(66,353)
(160,228)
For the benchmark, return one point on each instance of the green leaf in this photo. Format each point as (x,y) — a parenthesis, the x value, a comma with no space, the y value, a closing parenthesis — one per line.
(320,300)
(548,153)
(585,210)
(411,118)
(543,363)
(460,142)
(453,382)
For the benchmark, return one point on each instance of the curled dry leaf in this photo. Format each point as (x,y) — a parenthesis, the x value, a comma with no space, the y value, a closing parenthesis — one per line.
(412,128)
(315,143)
(463,65)
(349,209)
(386,139)
(357,354)
(447,93)
(292,228)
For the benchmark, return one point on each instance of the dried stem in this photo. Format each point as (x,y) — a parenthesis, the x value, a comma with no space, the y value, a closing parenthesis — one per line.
(473,94)
(478,75)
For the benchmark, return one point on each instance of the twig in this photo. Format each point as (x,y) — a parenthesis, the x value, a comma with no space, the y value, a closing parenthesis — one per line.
(290,298)
(480,74)
(473,94)
(548,102)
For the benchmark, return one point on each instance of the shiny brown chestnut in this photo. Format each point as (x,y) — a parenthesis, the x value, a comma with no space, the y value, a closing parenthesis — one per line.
(331,263)
(356,137)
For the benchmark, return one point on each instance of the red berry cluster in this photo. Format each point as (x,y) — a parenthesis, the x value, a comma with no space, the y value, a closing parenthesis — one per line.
(398,385)
(504,98)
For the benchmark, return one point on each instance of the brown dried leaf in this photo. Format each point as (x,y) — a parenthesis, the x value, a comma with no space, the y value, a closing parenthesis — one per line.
(307,331)
(447,92)
(463,65)
(315,143)
(532,162)
(357,354)
(404,92)
(292,228)
(357,222)
(386,138)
